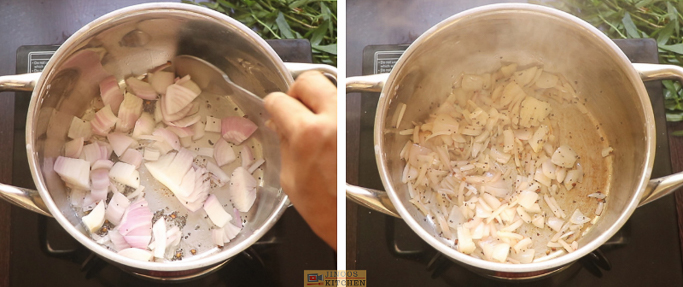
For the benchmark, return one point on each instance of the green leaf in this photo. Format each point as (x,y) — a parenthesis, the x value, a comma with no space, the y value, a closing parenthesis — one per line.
(319,33)
(630,27)
(332,49)
(325,11)
(671,117)
(677,48)
(298,3)
(666,33)
(285,30)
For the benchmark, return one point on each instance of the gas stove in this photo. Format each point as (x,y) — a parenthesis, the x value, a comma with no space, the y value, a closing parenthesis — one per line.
(645,252)
(44,254)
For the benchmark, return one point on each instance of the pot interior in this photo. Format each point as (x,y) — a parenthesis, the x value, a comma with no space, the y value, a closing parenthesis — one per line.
(130,42)
(481,41)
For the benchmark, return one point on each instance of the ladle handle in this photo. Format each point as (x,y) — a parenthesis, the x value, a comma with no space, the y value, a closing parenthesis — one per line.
(662,186)
(370,198)
(21,82)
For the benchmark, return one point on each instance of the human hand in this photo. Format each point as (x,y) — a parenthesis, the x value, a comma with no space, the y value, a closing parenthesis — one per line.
(306,120)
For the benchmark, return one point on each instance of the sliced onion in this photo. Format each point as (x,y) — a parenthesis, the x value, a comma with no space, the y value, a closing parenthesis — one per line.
(160,81)
(198,129)
(218,175)
(169,137)
(100,184)
(120,142)
(187,82)
(555,223)
(187,121)
(177,97)
(151,154)
(237,129)
(141,89)
(237,217)
(527,198)
(579,218)
(117,239)
(73,148)
(94,220)
(218,236)
(136,225)
(144,125)
(103,122)
(247,157)
(216,212)
(125,174)
(103,164)
(111,93)
(242,189)
(133,157)
(173,236)
(137,254)
(170,169)
(159,232)
(75,172)
(116,207)
(213,124)
(231,231)
(195,200)
(564,156)
(129,112)
(223,153)
(80,129)
(180,131)
(168,118)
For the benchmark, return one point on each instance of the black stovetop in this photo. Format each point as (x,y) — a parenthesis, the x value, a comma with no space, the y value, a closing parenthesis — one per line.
(645,252)
(44,254)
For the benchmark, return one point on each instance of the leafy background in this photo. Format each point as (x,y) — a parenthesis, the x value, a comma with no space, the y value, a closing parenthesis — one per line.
(315,20)
(630,19)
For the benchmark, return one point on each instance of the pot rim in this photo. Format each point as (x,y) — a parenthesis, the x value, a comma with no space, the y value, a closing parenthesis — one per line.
(69,46)
(589,30)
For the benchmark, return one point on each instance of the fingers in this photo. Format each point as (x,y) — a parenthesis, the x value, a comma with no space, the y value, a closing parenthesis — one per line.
(287,113)
(315,91)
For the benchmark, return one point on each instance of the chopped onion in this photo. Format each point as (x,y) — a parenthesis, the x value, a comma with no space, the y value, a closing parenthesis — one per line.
(143,126)
(111,93)
(572,178)
(116,207)
(169,137)
(136,225)
(187,121)
(133,157)
(117,239)
(177,97)
(141,89)
(218,236)
(159,232)
(181,132)
(500,252)
(125,174)
(198,129)
(73,148)
(75,172)
(237,217)
(223,153)
(564,156)
(219,176)
(103,122)
(100,184)
(242,189)
(256,165)
(170,169)
(216,212)
(555,223)
(80,129)
(119,142)
(579,218)
(129,112)
(247,156)
(136,254)
(231,231)
(527,198)
(151,154)
(94,220)
(213,124)
(160,81)
(237,129)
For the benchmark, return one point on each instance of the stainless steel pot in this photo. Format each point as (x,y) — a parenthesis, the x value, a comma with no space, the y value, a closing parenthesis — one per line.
(477,41)
(131,41)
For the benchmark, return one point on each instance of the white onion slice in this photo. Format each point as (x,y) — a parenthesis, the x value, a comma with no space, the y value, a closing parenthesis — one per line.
(143,126)
(94,220)
(243,188)
(555,223)
(119,142)
(73,148)
(103,122)
(159,232)
(223,153)
(141,89)
(237,129)
(578,217)
(125,174)
(216,212)
(564,156)
(169,137)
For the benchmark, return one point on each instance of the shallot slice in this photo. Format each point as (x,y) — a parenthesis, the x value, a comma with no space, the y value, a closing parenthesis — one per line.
(116,207)
(237,129)
(73,148)
(141,89)
(75,172)
(223,153)
(103,122)
(129,112)
(111,93)
(243,188)
(177,97)
(216,212)
(94,220)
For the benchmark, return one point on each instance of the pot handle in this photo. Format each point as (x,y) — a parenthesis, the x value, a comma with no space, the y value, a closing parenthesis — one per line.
(371,198)
(22,82)
(297,69)
(25,198)
(659,187)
